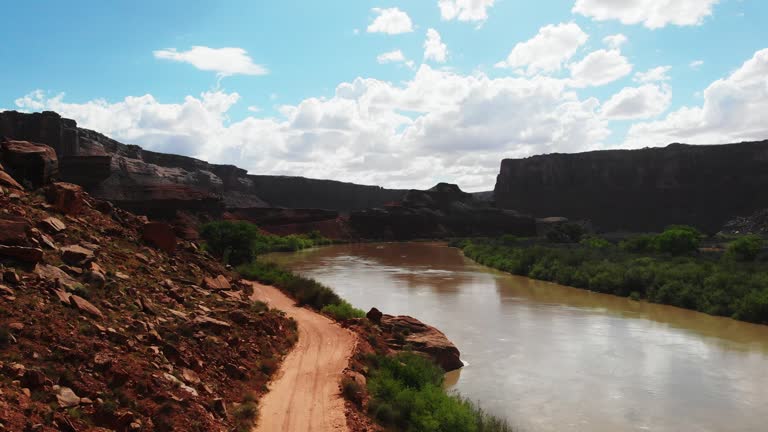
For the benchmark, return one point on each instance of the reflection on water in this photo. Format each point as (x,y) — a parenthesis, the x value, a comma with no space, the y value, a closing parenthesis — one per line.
(553,358)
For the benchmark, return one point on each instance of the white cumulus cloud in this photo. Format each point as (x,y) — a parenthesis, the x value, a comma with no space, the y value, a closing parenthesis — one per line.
(615,41)
(657,74)
(599,68)
(733,110)
(395,56)
(651,13)
(641,102)
(465,10)
(390,21)
(696,64)
(548,50)
(223,61)
(457,128)
(434,48)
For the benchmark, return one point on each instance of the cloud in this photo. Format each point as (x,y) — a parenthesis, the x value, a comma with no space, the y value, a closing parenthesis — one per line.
(733,110)
(615,41)
(599,68)
(696,64)
(465,10)
(651,13)
(548,50)
(223,61)
(434,48)
(254,108)
(438,126)
(641,102)
(657,74)
(395,56)
(390,21)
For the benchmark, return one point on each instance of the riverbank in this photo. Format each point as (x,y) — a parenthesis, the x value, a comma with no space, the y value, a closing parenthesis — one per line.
(406,397)
(713,283)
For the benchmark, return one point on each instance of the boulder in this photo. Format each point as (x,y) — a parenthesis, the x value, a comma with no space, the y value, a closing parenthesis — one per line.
(206,321)
(21,253)
(160,235)
(66,198)
(7,181)
(76,255)
(52,273)
(425,339)
(13,232)
(84,305)
(30,162)
(52,225)
(219,283)
(67,398)
(374,315)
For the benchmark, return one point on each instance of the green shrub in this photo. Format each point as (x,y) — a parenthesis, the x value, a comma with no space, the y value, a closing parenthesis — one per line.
(352,390)
(343,311)
(745,248)
(238,242)
(677,240)
(640,244)
(306,291)
(407,395)
(595,242)
(566,233)
(234,242)
(726,287)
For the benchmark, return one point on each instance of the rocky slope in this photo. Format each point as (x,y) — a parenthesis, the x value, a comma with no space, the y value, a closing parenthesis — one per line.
(159,184)
(638,190)
(109,322)
(442,211)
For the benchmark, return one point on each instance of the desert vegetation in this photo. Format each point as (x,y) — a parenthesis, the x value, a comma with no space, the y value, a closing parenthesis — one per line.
(238,242)
(407,395)
(666,268)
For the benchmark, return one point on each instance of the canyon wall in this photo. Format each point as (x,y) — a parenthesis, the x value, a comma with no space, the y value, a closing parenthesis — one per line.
(160,184)
(640,190)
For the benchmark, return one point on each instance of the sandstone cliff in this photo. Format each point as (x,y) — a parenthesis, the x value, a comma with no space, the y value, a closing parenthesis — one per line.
(159,184)
(636,190)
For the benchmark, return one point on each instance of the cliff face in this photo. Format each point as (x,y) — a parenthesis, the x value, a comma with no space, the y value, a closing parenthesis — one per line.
(159,184)
(443,211)
(646,189)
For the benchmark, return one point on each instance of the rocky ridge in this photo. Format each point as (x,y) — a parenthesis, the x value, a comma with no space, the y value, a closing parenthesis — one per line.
(109,322)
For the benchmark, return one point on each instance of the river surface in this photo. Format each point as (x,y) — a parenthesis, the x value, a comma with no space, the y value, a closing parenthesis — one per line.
(554,358)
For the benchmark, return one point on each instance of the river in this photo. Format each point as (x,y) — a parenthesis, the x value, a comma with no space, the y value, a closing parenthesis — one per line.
(555,358)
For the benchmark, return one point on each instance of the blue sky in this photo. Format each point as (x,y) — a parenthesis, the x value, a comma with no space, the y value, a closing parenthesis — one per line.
(128,69)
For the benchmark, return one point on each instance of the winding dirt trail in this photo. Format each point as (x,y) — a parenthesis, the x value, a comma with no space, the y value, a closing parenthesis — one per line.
(305,393)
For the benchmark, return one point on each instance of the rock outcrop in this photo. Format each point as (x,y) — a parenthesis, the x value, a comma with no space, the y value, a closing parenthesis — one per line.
(99,331)
(443,211)
(638,190)
(424,339)
(30,163)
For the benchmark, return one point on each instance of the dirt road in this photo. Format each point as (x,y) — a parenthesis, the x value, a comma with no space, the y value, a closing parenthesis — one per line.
(305,394)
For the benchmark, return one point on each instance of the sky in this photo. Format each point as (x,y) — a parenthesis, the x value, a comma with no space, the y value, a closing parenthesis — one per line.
(402,93)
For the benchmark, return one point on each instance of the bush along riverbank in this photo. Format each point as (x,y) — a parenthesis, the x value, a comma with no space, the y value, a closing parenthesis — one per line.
(667,268)
(406,394)
(238,242)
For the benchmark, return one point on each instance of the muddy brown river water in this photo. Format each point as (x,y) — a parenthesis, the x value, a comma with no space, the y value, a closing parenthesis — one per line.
(554,358)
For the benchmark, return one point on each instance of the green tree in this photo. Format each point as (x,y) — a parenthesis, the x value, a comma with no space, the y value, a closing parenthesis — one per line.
(678,240)
(233,242)
(745,248)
